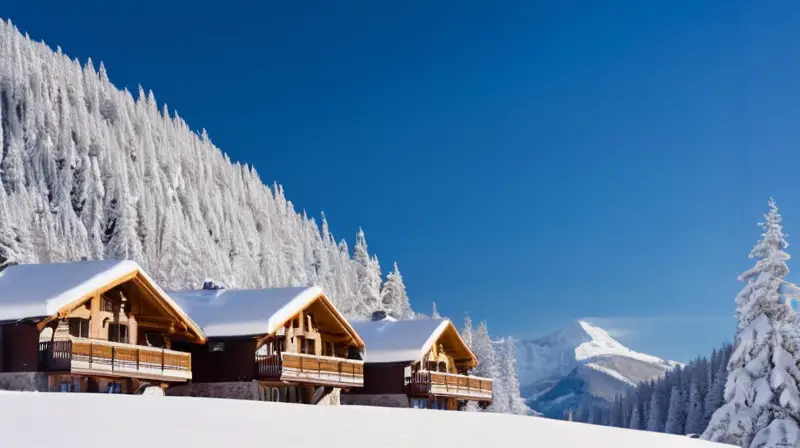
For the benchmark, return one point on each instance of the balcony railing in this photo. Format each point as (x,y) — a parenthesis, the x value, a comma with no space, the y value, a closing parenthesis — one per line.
(424,382)
(323,370)
(90,356)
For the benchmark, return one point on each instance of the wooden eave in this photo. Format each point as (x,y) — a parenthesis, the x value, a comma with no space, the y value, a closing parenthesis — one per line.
(142,283)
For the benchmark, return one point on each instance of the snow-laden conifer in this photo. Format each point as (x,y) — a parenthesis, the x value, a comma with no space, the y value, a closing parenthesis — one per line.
(655,421)
(675,415)
(394,297)
(762,401)
(694,411)
(636,418)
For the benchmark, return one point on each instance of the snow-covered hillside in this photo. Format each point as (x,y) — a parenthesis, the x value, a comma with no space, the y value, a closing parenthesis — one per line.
(558,370)
(89,171)
(36,419)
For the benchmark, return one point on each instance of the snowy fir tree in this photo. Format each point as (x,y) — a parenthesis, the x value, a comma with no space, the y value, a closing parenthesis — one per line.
(762,401)
(497,360)
(694,412)
(435,312)
(654,420)
(636,418)
(368,277)
(507,372)
(394,297)
(675,419)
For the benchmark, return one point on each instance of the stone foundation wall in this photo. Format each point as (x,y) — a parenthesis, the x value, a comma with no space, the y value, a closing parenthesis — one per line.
(24,381)
(387,400)
(236,390)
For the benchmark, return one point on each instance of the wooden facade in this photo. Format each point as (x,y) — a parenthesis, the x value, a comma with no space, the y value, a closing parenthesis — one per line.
(439,380)
(122,331)
(314,348)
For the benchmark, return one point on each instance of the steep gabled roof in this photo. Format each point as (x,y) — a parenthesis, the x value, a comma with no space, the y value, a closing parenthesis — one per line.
(44,290)
(252,312)
(390,341)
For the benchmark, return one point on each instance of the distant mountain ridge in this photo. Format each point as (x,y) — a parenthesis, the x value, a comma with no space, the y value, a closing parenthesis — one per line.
(581,361)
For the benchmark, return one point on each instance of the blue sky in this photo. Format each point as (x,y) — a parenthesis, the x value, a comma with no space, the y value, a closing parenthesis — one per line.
(528,162)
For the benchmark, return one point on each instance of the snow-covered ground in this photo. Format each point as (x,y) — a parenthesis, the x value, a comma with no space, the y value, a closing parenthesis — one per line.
(97,420)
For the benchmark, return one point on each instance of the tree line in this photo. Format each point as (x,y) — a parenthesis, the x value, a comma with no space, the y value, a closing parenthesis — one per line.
(681,402)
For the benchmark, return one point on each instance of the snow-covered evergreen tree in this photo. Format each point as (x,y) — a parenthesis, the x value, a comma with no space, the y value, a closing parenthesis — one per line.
(715,396)
(507,374)
(435,312)
(655,422)
(394,297)
(368,278)
(762,401)
(694,412)
(636,418)
(675,415)
(484,351)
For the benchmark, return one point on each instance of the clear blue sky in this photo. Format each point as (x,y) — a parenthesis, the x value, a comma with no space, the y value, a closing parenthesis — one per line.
(530,162)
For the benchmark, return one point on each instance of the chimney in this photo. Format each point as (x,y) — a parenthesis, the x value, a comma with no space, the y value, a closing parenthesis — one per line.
(209,284)
(378,316)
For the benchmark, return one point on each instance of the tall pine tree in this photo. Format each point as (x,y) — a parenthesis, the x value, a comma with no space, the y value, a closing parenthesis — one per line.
(762,401)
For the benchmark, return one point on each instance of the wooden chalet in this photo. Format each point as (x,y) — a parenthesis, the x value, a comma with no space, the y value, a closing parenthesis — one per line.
(420,363)
(92,326)
(292,341)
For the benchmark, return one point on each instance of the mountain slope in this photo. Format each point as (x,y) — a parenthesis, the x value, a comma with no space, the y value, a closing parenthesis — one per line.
(581,361)
(89,172)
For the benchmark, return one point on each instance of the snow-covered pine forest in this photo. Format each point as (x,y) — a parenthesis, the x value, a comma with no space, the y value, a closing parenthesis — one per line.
(682,402)
(88,171)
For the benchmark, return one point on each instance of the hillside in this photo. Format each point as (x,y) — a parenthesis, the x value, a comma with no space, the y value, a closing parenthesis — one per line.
(204,422)
(88,171)
(578,362)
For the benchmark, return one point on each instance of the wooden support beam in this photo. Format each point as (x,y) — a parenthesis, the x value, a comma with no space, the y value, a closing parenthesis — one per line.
(95,324)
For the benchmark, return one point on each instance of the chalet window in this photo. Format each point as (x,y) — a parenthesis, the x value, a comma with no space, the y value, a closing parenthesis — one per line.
(296,323)
(329,349)
(309,346)
(78,327)
(353,353)
(154,340)
(216,347)
(107,305)
(117,333)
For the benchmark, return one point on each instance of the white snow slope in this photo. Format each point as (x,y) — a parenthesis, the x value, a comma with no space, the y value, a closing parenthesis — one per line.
(582,350)
(122,421)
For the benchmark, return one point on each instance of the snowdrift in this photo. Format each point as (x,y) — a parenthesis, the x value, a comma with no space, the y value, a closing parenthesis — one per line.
(122,421)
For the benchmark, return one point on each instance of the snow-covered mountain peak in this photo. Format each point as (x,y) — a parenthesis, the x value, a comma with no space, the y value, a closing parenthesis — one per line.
(543,363)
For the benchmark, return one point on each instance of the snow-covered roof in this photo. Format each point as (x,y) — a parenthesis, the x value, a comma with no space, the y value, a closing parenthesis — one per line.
(389,341)
(41,290)
(250,312)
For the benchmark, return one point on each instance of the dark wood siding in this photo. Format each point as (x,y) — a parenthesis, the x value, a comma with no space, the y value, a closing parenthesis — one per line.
(19,348)
(382,379)
(237,362)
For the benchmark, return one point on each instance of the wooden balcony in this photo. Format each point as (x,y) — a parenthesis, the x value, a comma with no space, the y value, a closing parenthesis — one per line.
(98,357)
(426,383)
(301,368)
